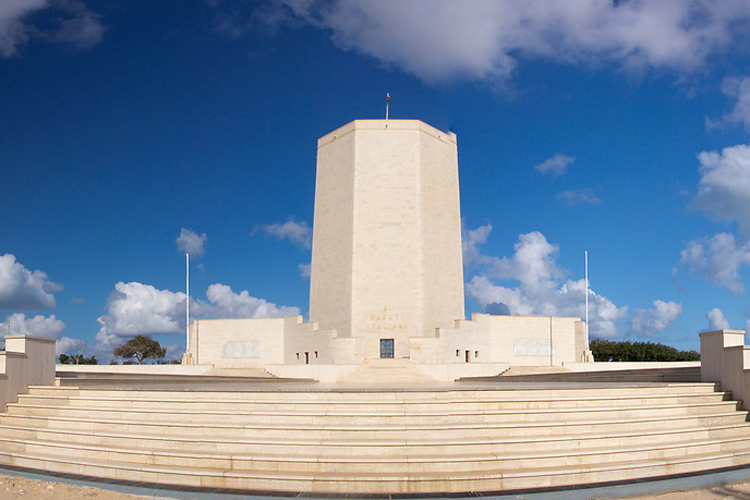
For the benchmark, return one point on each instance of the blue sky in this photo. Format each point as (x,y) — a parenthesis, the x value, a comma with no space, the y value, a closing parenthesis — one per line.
(130,131)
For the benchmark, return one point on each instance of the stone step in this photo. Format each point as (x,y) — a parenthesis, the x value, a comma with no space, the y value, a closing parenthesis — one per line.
(514,392)
(250,404)
(434,444)
(385,463)
(431,440)
(399,417)
(374,481)
(274,430)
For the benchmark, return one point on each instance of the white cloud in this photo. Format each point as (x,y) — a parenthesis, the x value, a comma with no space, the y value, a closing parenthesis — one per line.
(739,90)
(174,351)
(542,289)
(470,241)
(191,242)
(579,197)
(135,308)
(724,186)
(716,320)
(440,40)
(70,22)
(298,233)
(39,326)
(82,29)
(224,303)
(718,260)
(43,326)
(305,270)
(555,166)
(13,32)
(658,319)
(67,345)
(23,289)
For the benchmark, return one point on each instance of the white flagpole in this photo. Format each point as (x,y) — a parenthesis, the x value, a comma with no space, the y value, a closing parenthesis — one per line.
(586,265)
(187,302)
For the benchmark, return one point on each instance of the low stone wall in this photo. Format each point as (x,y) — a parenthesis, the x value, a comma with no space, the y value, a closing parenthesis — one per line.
(628,365)
(26,361)
(137,369)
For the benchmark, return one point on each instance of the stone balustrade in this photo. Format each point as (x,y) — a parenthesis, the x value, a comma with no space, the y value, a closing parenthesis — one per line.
(726,359)
(26,361)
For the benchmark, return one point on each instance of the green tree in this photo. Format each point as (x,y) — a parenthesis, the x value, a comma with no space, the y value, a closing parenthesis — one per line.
(140,347)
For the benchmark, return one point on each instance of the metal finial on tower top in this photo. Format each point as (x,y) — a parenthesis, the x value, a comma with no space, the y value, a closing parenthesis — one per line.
(387,103)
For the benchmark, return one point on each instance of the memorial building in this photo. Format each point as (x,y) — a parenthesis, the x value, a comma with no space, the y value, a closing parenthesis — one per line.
(406,398)
(387,274)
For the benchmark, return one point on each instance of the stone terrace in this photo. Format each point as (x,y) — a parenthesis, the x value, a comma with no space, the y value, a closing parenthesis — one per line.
(260,434)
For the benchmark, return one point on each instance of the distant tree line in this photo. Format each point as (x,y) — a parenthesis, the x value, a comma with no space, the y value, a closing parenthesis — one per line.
(610,350)
(78,359)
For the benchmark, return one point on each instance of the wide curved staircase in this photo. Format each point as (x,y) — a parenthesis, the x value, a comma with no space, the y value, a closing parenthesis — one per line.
(475,437)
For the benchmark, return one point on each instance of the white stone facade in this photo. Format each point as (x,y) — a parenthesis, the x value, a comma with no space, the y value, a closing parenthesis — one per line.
(387,271)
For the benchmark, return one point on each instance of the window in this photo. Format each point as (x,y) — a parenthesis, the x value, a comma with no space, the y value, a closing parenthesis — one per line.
(386,348)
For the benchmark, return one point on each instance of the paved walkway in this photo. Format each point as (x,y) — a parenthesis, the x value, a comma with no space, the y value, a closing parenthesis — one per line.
(717,486)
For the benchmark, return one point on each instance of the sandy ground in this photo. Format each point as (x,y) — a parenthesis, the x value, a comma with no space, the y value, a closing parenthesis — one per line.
(12,487)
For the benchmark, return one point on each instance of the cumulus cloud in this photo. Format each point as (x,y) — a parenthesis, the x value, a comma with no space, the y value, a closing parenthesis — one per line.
(305,270)
(578,197)
(717,260)
(174,351)
(658,319)
(298,233)
(716,320)
(739,90)
(234,19)
(67,345)
(224,303)
(484,39)
(724,186)
(136,308)
(39,326)
(13,32)
(22,289)
(555,166)
(542,288)
(43,326)
(69,22)
(471,239)
(191,242)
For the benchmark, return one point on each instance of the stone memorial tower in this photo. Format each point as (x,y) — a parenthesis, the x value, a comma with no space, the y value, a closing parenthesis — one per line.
(386,256)
(387,275)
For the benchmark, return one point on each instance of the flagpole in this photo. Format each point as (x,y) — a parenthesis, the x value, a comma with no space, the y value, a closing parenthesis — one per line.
(387,104)
(187,303)
(586,266)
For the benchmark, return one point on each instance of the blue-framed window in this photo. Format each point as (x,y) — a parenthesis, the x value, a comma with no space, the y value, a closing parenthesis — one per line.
(386,348)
